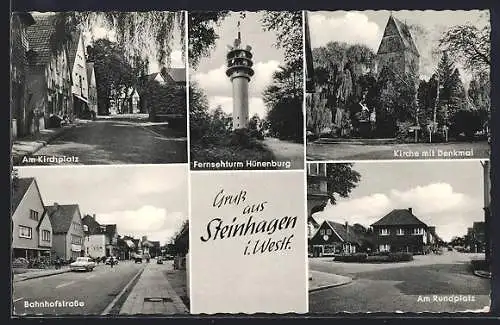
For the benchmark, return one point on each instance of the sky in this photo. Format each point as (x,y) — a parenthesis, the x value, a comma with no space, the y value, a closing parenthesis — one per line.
(445,194)
(211,75)
(367,27)
(99,29)
(145,200)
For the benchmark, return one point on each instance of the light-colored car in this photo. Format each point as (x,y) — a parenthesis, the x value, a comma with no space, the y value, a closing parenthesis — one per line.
(82,264)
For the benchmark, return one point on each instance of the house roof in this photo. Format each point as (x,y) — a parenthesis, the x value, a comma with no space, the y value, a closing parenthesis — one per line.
(399,217)
(177,74)
(26,17)
(111,230)
(402,40)
(73,48)
(152,76)
(61,216)
(347,234)
(94,227)
(19,189)
(39,38)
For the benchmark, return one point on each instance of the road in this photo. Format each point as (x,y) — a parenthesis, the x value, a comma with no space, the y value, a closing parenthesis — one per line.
(402,286)
(114,141)
(347,151)
(95,289)
(287,151)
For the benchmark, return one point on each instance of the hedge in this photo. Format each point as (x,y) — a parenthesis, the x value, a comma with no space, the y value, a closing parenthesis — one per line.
(364,258)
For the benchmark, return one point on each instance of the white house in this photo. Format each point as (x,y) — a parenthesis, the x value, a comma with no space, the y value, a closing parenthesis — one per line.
(31,228)
(78,66)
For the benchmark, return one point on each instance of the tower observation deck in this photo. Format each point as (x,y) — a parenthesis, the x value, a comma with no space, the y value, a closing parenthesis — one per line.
(240,71)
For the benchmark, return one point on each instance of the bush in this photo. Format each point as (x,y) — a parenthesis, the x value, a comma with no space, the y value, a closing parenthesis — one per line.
(400,257)
(356,258)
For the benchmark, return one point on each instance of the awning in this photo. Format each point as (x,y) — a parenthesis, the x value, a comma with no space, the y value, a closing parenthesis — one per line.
(81,98)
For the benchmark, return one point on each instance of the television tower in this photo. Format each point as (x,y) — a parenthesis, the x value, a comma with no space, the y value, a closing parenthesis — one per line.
(239,70)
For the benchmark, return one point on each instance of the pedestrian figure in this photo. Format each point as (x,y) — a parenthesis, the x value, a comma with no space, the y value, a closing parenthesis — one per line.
(111,261)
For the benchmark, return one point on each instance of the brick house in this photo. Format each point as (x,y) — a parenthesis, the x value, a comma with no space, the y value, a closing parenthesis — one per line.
(31,228)
(401,231)
(397,50)
(334,238)
(68,239)
(19,63)
(49,79)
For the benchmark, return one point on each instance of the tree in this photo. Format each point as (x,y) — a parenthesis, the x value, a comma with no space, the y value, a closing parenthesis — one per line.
(341,180)
(202,34)
(199,118)
(114,74)
(470,45)
(288,28)
(283,99)
(138,34)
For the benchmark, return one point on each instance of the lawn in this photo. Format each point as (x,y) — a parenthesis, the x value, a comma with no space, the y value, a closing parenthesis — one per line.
(178,281)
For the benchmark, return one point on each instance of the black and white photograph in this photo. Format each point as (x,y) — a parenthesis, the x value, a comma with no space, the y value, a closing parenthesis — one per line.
(385,85)
(246,90)
(98,88)
(100,240)
(415,242)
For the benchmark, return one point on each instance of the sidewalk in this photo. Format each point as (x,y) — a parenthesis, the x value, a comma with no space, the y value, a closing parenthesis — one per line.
(153,294)
(321,280)
(38,274)
(29,145)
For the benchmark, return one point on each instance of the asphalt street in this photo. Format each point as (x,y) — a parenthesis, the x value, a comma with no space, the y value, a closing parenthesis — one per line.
(113,141)
(415,286)
(96,290)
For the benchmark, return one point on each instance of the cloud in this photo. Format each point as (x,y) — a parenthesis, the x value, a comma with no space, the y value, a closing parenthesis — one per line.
(436,204)
(256,105)
(216,83)
(352,28)
(156,223)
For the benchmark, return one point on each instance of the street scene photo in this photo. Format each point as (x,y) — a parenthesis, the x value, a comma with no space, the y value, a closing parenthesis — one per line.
(246,90)
(415,242)
(98,88)
(100,240)
(397,85)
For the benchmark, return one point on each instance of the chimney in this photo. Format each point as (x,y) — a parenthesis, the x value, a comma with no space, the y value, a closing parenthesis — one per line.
(56,205)
(347,227)
(410,210)
(93,216)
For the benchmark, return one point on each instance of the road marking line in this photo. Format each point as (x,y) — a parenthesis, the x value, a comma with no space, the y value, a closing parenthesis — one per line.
(112,303)
(16,300)
(65,284)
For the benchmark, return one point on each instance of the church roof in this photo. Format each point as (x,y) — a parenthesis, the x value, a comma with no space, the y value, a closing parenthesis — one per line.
(397,37)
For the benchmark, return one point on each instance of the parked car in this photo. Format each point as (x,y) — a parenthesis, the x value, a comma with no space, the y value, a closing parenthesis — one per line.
(108,261)
(159,260)
(82,264)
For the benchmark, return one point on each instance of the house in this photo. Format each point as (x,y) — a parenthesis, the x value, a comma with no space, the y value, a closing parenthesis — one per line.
(80,82)
(92,88)
(68,236)
(335,238)
(174,76)
(31,228)
(476,237)
(125,101)
(100,240)
(317,192)
(401,231)
(18,74)
(49,79)
(397,50)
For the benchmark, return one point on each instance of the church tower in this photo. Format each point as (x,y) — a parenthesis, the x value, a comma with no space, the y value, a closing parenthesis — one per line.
(397,50)
(240,71)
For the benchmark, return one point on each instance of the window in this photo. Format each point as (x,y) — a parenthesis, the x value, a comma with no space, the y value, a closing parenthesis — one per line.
(328,232)
(85,228)
(384,248)
(400,232)
(322,232)
(45,235)
(25,232)
(384,232)
(418,231)
(77,240)
(34,215)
